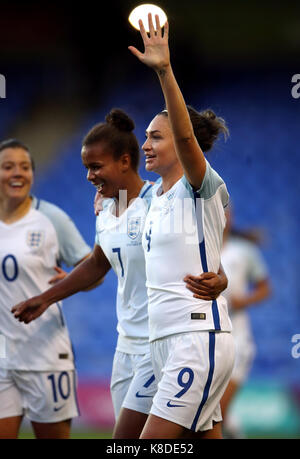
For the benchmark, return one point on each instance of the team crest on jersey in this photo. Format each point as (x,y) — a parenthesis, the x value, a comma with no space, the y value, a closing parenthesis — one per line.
(35,239)
(134,227)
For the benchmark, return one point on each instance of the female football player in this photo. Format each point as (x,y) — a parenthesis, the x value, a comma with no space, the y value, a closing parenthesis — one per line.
(191,343)
(110,153)
(248,286)
(37,374)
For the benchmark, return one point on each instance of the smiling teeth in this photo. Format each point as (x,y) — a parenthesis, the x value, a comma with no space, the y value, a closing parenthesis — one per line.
(16,184)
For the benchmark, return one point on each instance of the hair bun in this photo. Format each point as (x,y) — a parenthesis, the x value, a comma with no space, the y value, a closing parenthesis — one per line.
(209,114)
(120,120)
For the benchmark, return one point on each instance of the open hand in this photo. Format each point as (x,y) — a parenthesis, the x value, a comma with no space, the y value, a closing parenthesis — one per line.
(29,310)
(156,54)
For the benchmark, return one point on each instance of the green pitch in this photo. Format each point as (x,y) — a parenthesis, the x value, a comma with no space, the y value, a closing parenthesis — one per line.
(76,434)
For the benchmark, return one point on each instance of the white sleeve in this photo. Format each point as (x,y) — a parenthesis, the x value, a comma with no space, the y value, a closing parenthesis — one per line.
(257,269)
(211,183)
(72,246)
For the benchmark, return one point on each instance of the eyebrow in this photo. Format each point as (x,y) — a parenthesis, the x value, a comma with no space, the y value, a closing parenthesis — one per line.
(152,132)
(94,164)
(9,161)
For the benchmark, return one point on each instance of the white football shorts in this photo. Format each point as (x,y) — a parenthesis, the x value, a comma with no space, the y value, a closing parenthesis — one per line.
(192,370)
(133,384)
(244,349)
(42,396)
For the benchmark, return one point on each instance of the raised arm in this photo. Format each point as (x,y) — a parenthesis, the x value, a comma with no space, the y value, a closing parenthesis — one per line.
(83,276)
(157,57)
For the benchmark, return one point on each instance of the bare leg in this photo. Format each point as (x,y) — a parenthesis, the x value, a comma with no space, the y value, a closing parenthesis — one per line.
(130,424)
(52,430)
(156,427)
(231,429)
(9,427)
(213,434)
(229,394)
(160,428)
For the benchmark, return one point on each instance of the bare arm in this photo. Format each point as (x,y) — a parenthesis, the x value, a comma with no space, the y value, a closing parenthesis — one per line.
(157,56)
(61,274)
(260,292)
(95,284)
(82,277)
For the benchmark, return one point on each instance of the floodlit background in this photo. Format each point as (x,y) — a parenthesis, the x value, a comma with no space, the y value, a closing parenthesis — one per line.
(67,64)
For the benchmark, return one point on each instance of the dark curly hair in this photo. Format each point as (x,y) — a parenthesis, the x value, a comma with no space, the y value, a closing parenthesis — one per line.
(207,126)
(117,134)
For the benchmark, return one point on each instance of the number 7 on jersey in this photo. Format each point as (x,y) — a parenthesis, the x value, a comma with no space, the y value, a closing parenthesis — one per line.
(118,251)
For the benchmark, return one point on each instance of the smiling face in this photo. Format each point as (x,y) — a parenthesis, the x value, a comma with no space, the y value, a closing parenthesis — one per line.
(159,146)
(16,174)
(104,172)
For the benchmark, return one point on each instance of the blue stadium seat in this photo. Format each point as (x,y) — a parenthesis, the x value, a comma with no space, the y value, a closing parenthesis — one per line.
(260,164)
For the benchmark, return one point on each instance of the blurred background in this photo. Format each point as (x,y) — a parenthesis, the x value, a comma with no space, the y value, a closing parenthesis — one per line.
(67,64)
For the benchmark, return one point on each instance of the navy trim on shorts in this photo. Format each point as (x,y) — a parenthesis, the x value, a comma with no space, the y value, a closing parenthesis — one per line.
(212,345)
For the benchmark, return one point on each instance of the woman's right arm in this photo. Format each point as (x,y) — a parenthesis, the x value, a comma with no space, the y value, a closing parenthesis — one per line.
(80,278)
(157,56)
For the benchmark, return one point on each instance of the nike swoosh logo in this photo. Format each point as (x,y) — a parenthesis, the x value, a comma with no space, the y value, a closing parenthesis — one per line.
(170,405)
(138,395)
(58,408)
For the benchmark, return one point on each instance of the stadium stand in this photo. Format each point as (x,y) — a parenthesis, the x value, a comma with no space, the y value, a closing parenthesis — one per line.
(259,163)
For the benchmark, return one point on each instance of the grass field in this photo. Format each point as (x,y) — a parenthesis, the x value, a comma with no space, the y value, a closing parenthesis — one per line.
(75,435)
(94,435)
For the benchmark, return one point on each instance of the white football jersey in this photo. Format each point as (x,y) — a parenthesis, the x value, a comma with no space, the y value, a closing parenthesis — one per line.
(121,240)
(243,265)
(29,250)
(183,235)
